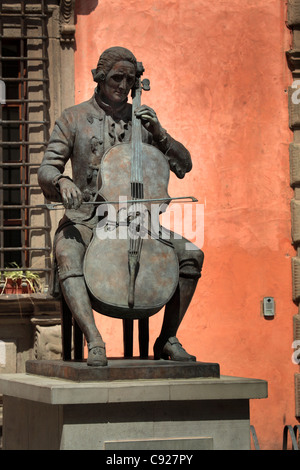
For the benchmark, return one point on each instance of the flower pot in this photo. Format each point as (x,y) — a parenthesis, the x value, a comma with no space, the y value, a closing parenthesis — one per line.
(17,286)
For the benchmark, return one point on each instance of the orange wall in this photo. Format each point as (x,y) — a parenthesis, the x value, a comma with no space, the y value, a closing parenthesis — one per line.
(218,84)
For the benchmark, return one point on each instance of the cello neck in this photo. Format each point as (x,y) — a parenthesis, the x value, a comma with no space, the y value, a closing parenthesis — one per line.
(136,123)
(136,161)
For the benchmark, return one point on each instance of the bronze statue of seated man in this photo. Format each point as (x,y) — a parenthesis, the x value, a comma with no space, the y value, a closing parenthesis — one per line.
(83,134)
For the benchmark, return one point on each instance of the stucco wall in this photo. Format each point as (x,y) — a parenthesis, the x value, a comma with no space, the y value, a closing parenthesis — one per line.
(218,84)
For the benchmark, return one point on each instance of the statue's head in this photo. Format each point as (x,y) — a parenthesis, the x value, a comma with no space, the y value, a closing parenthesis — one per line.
(109,58)
(115,74)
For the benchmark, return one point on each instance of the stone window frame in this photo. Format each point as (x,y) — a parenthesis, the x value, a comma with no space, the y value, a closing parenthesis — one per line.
(25,319)
(293,61)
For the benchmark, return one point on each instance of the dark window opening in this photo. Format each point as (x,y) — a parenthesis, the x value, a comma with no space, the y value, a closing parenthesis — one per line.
(24,129)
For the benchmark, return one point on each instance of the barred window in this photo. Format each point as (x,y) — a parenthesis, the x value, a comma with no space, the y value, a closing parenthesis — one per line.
(24,132)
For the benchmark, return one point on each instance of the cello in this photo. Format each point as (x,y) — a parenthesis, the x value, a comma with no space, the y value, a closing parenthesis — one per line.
(130,273)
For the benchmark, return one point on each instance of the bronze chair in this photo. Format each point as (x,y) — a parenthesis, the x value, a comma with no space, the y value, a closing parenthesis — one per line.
(66,328)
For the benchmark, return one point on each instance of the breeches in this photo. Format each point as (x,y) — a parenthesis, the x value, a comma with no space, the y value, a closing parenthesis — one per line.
(72,240)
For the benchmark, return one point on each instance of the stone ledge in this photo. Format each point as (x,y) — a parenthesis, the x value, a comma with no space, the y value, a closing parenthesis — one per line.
(27,304)
(61,392)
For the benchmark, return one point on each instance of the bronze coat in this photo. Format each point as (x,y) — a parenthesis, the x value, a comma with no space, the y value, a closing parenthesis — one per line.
(82,134)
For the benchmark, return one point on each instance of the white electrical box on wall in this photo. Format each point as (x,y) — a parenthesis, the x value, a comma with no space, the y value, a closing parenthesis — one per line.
(268,307)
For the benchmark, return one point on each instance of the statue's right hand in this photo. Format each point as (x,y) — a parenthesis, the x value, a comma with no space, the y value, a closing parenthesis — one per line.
(70,194)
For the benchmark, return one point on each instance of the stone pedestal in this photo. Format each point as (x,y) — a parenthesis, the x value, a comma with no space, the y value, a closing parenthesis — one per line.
(43,412)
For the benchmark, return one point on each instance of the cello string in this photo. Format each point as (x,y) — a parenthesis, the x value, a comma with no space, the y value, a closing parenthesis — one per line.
(136,170)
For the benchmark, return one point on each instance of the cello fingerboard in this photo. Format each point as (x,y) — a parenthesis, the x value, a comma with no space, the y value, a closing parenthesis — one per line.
(136,161)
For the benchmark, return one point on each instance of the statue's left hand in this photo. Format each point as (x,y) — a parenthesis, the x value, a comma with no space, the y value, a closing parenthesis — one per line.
(149,120)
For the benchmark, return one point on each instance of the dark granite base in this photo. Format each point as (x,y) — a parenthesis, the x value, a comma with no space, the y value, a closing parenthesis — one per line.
(122,369)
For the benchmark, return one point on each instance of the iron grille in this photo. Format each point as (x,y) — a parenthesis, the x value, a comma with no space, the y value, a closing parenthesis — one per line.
(24,132)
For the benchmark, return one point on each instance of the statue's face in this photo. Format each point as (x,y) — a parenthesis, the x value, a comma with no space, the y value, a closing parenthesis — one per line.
(118,82)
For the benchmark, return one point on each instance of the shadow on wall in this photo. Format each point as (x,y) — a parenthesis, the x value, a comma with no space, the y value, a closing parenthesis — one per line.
(85,8)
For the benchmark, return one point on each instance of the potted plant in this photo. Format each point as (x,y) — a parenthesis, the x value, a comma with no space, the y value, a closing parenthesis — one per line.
(19,281)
